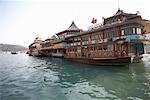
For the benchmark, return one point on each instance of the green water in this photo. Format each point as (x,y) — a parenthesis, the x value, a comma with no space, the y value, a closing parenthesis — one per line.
(23,77)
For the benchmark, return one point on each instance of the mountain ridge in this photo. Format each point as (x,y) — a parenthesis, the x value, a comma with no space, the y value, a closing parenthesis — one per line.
(11,47)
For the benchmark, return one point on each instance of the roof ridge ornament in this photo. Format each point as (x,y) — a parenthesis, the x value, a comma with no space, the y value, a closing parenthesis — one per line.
(119,12)
(138,12)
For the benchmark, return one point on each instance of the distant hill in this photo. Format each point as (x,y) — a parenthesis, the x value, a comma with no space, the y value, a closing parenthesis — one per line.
(10,47)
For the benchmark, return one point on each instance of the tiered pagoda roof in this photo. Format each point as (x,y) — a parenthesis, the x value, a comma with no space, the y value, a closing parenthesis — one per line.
(72,28)
(121,13)
(54,37)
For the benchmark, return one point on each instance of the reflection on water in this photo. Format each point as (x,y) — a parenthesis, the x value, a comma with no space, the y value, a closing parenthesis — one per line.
(30,78)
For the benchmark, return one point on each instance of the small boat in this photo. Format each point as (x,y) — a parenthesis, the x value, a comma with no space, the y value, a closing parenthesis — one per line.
(13,52)
(148,52)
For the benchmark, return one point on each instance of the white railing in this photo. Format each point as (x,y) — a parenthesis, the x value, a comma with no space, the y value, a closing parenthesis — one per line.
(95,26)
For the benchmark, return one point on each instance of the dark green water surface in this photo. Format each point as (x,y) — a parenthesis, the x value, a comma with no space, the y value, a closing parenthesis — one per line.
(23,77)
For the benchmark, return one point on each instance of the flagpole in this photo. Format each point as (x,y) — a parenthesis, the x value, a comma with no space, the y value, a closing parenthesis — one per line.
(118,5)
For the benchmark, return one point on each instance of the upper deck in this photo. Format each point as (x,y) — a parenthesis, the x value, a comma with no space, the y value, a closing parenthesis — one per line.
(122,25)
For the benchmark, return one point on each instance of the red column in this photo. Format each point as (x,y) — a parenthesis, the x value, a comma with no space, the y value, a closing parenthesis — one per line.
(119,30)
(103,40)
(114,49)
(99,37)
(81,40)
(90,38)
(73,40)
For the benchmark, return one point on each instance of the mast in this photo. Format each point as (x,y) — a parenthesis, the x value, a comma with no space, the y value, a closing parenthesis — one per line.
(118,5)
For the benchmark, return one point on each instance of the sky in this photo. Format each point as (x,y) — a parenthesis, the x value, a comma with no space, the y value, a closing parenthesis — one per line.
(21,21)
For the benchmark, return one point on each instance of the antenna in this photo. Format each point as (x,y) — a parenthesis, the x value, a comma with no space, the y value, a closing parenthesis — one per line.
(118,5)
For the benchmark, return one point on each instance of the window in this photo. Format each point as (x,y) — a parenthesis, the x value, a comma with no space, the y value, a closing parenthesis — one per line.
(94,37)
(128,31)
(115,34)
(122,32)
(139,31)
(85,38)
(109,47)
(105,47)
(134,30)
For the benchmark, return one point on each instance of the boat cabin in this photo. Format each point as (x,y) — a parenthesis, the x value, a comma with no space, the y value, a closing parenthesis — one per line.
(35,47)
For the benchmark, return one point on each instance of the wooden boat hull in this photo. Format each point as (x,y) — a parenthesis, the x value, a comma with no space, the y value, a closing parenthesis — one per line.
(57,55)
(103,61)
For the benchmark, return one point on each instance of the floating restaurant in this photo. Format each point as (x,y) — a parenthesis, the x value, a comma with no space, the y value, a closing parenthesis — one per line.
(121,39)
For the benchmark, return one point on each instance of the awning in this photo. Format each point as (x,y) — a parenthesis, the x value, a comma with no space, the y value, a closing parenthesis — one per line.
(120,41)
(140,41)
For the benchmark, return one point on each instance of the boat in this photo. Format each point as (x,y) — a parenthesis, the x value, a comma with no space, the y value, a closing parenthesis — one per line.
(119,40)
(13,52)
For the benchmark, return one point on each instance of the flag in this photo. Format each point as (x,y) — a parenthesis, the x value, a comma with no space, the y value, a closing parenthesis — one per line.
(94,21)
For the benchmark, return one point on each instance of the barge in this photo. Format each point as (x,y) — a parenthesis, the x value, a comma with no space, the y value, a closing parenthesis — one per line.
(119,40)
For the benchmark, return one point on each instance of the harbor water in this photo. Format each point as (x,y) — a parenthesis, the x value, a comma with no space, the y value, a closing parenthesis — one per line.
(23,77)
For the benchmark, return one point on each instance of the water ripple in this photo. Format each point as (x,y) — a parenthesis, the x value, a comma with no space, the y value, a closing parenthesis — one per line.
(31,78)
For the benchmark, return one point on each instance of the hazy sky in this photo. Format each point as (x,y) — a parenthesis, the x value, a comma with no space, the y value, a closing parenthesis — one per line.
(22,20)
